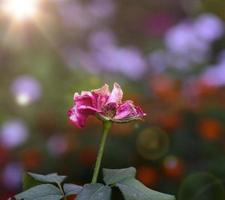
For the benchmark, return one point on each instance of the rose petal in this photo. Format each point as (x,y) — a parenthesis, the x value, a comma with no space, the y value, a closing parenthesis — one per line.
(76,117)
(99,101)
(103,91)
(128,110)
(116,94)
(86,98)
(109,110)
(87,110)
(104,105)
(125,110)
(140,111)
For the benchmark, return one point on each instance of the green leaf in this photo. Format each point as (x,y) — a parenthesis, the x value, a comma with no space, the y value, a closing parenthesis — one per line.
(29,182)
(131,188)
(40,192)
(71,189)
(112,176)
(95,191)
(49,178)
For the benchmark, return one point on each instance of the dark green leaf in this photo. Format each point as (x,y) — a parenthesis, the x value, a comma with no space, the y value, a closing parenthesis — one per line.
(132,189)
(50,178)
(112,176)
(95,191)
(29,182)
(71,189)
(40,192)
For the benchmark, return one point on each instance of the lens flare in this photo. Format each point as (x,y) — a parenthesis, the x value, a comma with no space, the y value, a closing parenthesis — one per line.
(153,143)
(201,185)
(23,99)
(26,90)
(20,9)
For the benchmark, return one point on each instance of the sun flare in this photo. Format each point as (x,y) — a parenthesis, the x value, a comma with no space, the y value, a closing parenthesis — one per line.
(20,9)
(23,99)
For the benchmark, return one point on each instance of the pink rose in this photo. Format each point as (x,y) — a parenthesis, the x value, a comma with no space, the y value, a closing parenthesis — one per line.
(104,105)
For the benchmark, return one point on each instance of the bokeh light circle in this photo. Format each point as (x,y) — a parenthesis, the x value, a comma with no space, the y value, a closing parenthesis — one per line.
(26,89)
(173,167)
(57,145)
(13,133)
(153,143)
(12,175)
(202,186)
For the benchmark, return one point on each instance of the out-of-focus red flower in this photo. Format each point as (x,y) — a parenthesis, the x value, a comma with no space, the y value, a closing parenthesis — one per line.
(72,197)
(210,129)
(106,105)
(170,121)
(31,159)
(147,175)
(165,88)
(173,167)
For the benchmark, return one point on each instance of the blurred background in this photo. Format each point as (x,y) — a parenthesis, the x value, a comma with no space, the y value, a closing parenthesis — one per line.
(168,56)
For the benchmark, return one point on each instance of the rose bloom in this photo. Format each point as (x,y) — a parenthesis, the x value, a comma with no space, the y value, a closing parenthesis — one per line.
(105,105)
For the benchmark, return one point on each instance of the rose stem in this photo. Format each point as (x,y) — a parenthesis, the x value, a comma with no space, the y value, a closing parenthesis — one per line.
(106,127)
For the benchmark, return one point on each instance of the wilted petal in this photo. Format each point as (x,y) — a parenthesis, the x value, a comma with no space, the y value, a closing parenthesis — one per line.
(104,105)
(125,110)
(109,110)
(101,96)
(76,117)
(87,110)
(116,94)
(103,91)
(128,110)
(139,112)
(99,101)
(86,98)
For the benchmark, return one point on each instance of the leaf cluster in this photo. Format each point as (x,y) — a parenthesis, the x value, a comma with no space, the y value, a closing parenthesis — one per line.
(51,187)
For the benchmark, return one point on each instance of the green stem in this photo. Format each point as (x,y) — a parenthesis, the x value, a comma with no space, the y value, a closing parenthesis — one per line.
(106,127)
(61,190)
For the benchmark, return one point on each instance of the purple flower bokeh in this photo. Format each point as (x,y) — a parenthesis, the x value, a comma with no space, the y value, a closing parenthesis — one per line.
(74,14)
(57,145)
(102,39)
(26,89)
(109,56)
(13,133)
(126,61)
(209,27)
(189,43)
(12,175)
(182,40)
(215,74)
(105,55)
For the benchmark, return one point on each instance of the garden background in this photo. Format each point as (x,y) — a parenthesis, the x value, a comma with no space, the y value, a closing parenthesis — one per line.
(168,56)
